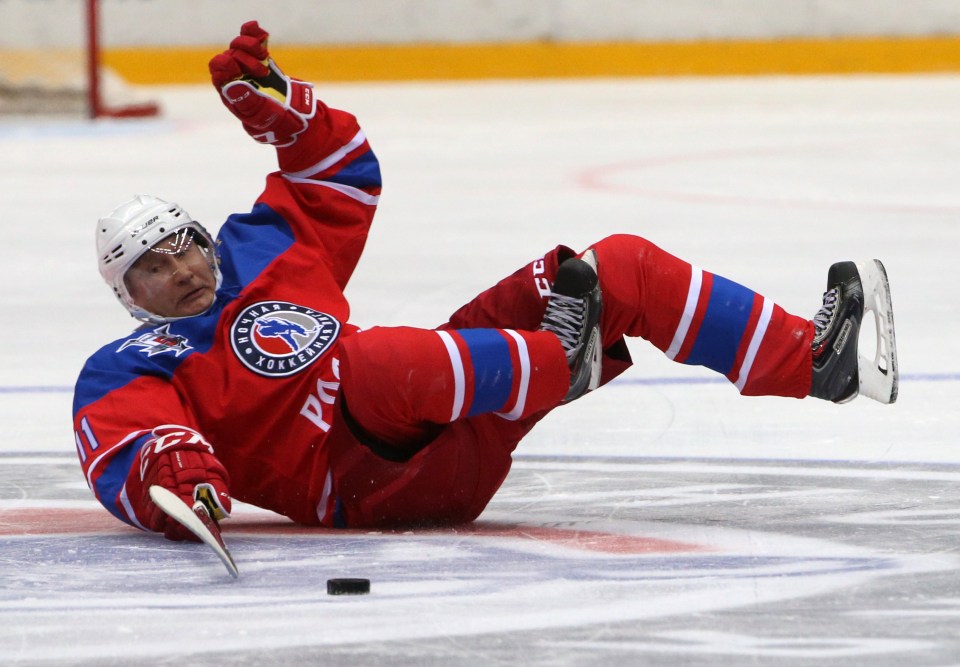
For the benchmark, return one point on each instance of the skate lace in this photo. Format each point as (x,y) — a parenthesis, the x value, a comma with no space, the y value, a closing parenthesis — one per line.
(823,318)
(564,317)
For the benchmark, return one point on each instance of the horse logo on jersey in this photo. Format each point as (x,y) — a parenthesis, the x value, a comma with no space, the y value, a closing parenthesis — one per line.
(158,341)
(277,338)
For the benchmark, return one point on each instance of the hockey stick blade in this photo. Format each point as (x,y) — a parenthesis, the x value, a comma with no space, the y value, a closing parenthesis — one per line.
(198,521)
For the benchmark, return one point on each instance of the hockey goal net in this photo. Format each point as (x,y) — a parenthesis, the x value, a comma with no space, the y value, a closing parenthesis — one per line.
(51,62)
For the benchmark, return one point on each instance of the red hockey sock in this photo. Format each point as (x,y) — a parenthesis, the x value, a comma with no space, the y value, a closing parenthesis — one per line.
(697,317)
(400,382)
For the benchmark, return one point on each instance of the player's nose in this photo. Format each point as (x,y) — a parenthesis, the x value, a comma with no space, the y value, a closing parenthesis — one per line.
(182,271)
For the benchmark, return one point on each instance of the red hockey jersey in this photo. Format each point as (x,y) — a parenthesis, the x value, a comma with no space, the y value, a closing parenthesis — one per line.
(256,375)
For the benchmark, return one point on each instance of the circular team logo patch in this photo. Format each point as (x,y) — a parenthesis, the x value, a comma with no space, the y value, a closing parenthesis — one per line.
(277,338)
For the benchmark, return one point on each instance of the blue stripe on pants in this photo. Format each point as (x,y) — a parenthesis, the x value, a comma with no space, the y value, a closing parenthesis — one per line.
(721,331)
(492,369)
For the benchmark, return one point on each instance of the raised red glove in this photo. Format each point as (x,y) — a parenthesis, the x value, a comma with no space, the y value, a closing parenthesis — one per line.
(273,108)
(181,461)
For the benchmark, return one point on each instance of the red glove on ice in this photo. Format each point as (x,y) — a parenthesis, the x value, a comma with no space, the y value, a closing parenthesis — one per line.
(181,461)
(273,108)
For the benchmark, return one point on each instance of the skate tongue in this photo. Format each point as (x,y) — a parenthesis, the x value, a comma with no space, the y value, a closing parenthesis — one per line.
(841,272)
(575,278)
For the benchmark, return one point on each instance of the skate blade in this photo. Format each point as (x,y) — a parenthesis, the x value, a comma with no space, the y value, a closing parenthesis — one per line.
(596,355)
(879,376)
(596,363)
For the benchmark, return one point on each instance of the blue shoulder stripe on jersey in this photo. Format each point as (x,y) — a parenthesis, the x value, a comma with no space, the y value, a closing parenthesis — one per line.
(492,369)
(155,349)
(248,242)
(362,173)
(723,325)
(114,476)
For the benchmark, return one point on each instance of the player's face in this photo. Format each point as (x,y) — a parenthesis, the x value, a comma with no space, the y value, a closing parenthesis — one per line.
(174,278)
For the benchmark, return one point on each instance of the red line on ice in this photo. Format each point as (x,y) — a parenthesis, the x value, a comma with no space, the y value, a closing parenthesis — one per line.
(68,521)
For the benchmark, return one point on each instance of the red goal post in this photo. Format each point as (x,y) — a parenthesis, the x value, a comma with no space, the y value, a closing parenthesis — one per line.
(99,105)
(51,63)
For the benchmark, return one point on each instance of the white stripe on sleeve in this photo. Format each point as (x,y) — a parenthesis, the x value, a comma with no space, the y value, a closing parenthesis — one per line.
(353,193)
(331,159)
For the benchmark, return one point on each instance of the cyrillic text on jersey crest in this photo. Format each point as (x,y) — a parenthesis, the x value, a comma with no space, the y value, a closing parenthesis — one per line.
(278,338)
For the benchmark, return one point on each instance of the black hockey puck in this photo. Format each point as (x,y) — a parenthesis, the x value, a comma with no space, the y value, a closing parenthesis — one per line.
(348,586)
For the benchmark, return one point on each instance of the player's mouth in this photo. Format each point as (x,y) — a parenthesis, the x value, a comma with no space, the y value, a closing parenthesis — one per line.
(194,297)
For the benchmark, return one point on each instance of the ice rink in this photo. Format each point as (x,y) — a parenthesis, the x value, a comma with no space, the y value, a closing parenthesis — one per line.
(663,520)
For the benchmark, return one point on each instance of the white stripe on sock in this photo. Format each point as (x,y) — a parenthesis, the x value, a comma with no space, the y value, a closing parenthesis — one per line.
(524,355)
(459,378)
(758,333)
(689,309)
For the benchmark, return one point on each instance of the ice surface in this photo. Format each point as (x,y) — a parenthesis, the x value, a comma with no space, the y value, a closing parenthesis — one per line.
(664,520)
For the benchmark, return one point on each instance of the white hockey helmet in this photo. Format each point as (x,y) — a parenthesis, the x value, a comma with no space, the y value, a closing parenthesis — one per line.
(132,229)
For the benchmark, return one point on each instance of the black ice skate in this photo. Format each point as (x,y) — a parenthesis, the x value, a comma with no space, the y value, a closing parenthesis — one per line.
(573,314)
(840,371)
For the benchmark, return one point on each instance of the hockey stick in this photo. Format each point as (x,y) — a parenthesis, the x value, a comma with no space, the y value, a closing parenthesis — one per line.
(197,520)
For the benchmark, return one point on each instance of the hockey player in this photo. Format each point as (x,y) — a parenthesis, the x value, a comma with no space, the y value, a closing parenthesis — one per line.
(247,380)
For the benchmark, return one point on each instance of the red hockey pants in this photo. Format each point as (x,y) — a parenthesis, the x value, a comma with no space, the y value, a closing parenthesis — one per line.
(399,389)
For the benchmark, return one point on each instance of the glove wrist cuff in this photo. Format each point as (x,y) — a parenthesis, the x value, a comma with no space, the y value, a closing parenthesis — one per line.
(300,98)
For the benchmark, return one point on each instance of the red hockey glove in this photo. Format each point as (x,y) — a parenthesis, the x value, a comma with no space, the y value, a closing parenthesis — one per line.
(273,108)
(181,461)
